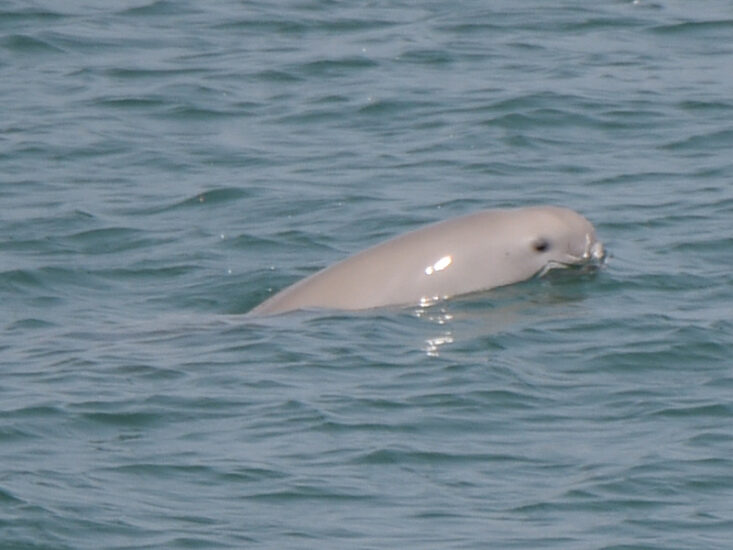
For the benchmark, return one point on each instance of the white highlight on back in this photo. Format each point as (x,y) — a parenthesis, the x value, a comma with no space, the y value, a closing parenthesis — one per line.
(440,265)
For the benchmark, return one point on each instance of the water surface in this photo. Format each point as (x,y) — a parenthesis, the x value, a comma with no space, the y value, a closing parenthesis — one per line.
(165,166)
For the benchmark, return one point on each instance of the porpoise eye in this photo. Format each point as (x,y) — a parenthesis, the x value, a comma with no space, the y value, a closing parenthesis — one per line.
(540,245)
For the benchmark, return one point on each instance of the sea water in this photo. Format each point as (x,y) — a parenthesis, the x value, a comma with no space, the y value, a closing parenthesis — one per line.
(165,166)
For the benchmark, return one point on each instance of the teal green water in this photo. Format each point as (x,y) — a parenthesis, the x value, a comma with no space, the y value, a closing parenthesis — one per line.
(165,166)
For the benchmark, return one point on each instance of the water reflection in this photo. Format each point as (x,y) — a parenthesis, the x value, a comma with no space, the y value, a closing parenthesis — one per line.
(504,309)
(439,316)
(432,348)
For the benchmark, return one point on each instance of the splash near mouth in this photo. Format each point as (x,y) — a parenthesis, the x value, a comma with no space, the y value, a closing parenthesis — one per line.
(597,252)
(594,250)
(593,258)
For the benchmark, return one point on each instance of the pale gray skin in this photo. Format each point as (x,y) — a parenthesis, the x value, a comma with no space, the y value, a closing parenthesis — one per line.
(458,256)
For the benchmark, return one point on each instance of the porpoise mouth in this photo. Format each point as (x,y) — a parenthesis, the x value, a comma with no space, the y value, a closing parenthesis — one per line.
(591,259)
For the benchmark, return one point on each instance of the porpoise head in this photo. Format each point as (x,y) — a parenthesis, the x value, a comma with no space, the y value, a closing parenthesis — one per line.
(559,237)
